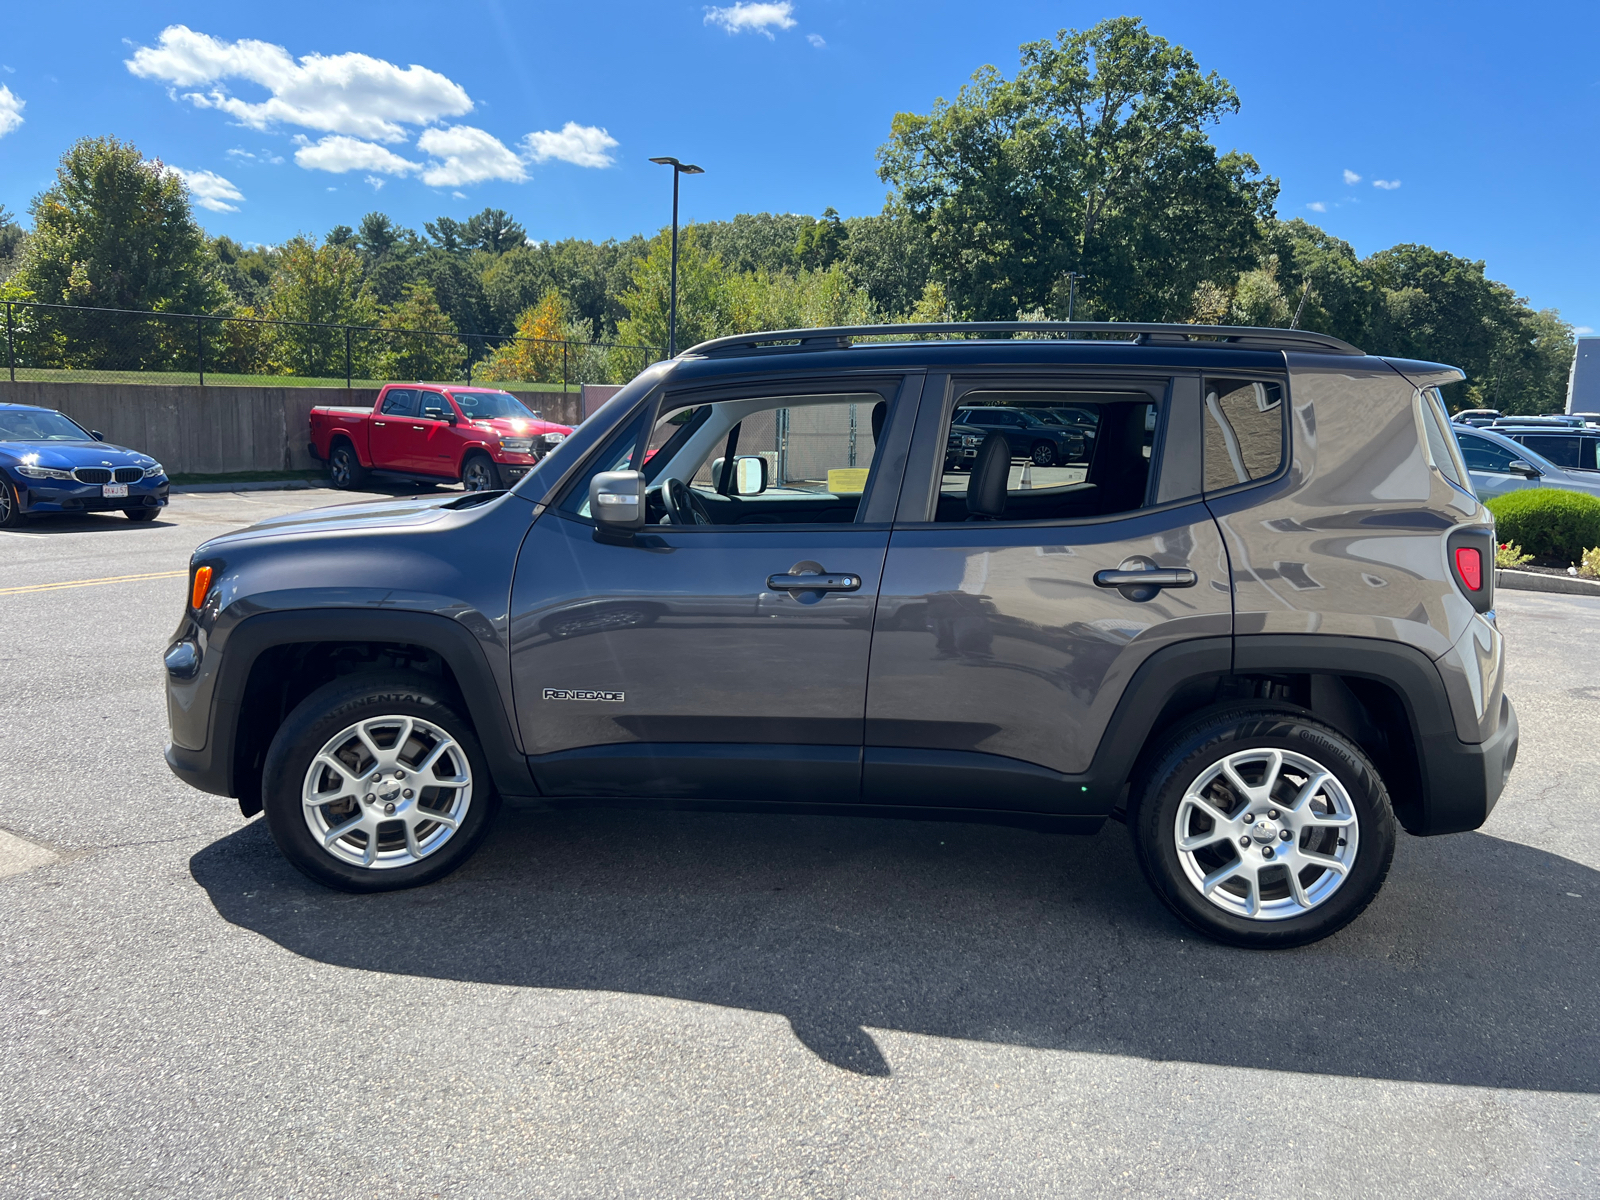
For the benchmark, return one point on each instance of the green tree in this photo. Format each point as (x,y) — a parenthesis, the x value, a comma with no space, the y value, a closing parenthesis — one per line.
(115,231)
(1092,159)
(447,234)
(11,239)
(418,341)
(536,354)
(318,288)
(702,293)
(246,273)
(821,243)
(755,241)
(493,231)
(889,256)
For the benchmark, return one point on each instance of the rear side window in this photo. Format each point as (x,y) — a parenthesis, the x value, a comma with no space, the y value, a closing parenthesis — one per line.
(1441,442)
(1560,449)
(400,402)
(1244,431)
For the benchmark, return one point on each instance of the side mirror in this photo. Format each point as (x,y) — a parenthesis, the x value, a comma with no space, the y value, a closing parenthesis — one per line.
(97,435)
(448,418)
(616,502)
(749,474)
(1526,469)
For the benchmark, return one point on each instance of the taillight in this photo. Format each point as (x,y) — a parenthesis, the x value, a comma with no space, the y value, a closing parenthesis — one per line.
(1469,564)
(202,585)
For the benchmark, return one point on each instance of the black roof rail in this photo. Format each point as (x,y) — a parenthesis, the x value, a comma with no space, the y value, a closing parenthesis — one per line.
(1239,337)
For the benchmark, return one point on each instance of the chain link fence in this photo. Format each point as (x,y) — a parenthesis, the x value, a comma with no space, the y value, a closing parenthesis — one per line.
(64,343)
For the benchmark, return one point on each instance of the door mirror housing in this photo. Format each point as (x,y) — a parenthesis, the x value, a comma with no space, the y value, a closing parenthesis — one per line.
(1527,470)
(750,475)
(97,435)
(616,502)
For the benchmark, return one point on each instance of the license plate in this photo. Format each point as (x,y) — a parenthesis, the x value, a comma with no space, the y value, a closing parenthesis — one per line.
(114,491)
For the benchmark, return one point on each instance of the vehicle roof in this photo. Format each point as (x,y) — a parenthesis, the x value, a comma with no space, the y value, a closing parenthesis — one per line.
(27,407)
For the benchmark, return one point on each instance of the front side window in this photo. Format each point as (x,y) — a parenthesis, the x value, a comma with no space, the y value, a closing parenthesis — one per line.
(434,406)
(1483,455)
(1244,423)
(1046,454)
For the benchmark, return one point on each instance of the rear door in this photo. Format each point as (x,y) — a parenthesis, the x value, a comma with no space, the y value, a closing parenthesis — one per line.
(391,428)
(1000,650)
(691,661)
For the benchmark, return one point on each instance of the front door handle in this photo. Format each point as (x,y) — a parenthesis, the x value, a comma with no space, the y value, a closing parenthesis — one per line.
(1156,578)
(813,583)
(419,427)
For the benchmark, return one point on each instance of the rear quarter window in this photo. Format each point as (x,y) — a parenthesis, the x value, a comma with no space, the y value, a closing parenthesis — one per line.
(1244,431)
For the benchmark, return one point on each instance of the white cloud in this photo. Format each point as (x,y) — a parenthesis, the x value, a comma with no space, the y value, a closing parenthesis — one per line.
(469,156)
(340,93)
(339,154)
(1582,330)
(1317,206)
(581,145)
(1351,178)
(238,153)
(377,184)
(1387,185)
(10,110)
(209,189)
(816,39)
(459,195)
(752,18)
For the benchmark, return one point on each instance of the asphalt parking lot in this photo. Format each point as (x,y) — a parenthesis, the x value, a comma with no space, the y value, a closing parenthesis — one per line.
(627,1004)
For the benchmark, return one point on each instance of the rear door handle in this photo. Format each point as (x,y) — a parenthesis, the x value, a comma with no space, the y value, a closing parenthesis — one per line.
(813,583)
(1156,578)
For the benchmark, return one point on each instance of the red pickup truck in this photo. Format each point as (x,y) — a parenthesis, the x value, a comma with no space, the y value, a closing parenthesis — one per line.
(487,439)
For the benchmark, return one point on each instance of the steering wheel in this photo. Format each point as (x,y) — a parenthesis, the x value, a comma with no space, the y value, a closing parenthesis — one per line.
(682,506)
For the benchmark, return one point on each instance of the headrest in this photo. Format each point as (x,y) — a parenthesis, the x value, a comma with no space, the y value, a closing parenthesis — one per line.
(879,411)
(991,471)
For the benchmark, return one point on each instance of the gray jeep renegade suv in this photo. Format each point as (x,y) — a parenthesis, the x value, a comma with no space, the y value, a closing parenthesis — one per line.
(1255,622)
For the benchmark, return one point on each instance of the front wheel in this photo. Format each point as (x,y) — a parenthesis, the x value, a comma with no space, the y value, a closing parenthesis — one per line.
(140,514)
(1263,827)
(10,506)
(479,474)
(1044,454)
(375,783)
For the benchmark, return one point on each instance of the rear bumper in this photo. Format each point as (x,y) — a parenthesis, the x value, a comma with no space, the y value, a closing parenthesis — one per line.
(1464,780)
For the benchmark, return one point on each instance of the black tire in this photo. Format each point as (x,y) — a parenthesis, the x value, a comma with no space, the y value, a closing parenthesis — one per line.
(1043,454)
(10,506)
(344,467)
(140,514)
(480,474)
(322,716)
(1196,748)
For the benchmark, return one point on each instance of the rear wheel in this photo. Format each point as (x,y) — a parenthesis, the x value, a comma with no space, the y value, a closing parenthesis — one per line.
(375,783)
(479,474)
(1044,454)
(1263,827)
(344,468)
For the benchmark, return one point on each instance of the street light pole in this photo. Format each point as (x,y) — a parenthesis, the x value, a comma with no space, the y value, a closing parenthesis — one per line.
(678,168)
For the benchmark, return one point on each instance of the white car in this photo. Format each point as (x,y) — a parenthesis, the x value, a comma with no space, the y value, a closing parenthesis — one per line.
(1498,465)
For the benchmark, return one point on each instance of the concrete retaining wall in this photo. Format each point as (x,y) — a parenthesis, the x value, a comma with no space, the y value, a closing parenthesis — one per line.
(214,430)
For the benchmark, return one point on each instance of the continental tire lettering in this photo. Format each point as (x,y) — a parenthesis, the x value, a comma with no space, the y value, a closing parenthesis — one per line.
(581,694)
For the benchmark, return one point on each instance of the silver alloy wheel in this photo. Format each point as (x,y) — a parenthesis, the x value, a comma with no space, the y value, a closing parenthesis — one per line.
(339,468)
(387,792)
(5,502)
(476,476)
(1266,834)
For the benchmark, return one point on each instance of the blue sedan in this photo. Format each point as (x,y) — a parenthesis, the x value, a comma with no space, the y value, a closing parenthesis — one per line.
(49,464)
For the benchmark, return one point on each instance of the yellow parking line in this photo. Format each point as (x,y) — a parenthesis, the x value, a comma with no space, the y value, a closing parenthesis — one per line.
(77,583)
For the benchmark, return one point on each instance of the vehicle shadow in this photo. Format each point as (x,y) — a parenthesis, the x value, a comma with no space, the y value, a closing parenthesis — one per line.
(1475,966)
(57,524)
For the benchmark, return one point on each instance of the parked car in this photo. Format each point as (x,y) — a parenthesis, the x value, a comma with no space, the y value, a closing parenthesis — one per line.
(49,465)
(1039,437)
(1499,463)
(485,438)
(1259,630)
(1477,416)
(1573,447)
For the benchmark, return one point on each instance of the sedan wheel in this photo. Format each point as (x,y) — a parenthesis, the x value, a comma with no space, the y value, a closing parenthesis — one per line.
(10,511)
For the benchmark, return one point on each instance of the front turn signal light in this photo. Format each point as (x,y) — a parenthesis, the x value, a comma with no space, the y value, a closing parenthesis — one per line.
(1469,563)
(202,585)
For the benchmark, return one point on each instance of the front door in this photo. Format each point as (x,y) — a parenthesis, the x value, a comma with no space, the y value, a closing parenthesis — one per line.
(692,661)
(1002,644)
(434,440)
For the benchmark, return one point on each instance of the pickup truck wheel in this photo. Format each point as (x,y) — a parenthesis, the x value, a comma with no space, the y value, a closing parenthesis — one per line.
(374,783)
(479,474)
(344,468)
(1263,827)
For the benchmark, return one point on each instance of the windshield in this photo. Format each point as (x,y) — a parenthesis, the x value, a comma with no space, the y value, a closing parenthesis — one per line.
(38,425)
(486,406)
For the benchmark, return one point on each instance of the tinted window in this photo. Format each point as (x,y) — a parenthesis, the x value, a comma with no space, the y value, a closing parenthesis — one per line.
(434,405)
(1560,449)
(1244,427)
(1483,455)
(400,402)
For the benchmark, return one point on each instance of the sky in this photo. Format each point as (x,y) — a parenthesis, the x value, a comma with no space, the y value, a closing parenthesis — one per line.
(1469,127)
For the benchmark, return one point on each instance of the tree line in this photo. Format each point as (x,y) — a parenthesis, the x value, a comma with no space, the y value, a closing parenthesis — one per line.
(1086,180)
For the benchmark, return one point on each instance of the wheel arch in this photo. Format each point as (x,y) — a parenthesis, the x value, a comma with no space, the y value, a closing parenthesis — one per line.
(272,661)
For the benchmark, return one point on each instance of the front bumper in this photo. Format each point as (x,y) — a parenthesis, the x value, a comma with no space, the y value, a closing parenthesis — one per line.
(41,496)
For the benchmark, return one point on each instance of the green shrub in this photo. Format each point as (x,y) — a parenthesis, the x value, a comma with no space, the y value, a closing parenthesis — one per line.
(1548,522)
